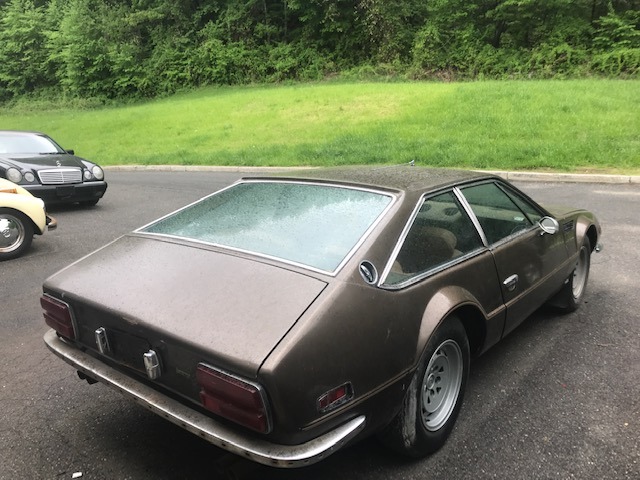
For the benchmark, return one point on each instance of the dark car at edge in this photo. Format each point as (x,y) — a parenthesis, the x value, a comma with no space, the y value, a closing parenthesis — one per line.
(37,163)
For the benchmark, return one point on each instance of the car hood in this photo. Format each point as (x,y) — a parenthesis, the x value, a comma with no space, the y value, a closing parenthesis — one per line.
(233,309)
(38,162)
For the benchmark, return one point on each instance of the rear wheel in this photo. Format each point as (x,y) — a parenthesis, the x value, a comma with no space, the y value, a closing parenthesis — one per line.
(572,293)
(16,233)
(434,397)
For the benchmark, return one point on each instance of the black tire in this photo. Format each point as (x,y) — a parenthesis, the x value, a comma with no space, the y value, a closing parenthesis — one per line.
(16,233)
(572,293)
(434,397)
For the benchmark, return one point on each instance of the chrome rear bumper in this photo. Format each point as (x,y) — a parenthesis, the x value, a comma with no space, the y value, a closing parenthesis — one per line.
(219,434)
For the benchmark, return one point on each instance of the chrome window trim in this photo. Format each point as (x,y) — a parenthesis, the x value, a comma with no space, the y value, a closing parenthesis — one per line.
(511,237)
(139,229)
(467,207)
(236,250)
(508,192)
(433,271)
(438,268)
(393,197)
(400,242)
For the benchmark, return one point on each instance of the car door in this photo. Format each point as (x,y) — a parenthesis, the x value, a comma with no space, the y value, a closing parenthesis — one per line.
(528,261)
(442,262)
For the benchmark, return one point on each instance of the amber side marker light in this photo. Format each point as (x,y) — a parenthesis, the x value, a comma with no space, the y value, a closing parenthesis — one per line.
(233,398)
(57,315)
(8,190)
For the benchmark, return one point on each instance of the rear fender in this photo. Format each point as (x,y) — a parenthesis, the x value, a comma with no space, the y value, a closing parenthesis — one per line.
(442,304)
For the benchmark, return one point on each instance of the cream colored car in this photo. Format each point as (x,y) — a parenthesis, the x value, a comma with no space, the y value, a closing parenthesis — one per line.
(21,217)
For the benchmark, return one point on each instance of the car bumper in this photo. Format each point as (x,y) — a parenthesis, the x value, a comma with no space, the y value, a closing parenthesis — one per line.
(217,433)
(52,223)
(77,192)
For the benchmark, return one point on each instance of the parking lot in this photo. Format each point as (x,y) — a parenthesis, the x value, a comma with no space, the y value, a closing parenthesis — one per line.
(558,398)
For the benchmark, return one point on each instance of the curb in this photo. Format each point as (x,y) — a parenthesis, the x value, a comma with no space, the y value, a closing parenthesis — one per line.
(567,177)
(196,168)
(511,176)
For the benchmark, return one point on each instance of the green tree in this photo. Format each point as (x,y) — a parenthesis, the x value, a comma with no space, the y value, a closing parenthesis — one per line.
(23,57)
(83,47)
(618,30)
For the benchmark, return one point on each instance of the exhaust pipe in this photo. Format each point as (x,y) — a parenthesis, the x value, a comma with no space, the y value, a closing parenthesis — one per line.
(83,376)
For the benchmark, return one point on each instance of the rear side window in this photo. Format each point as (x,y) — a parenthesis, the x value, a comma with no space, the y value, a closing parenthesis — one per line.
(440,233)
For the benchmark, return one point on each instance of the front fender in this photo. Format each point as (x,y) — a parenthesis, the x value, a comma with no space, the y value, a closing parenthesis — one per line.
(587,225)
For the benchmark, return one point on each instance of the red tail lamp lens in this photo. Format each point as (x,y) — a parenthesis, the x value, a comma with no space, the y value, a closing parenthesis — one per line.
(57,315)
(335,398)
(233,398)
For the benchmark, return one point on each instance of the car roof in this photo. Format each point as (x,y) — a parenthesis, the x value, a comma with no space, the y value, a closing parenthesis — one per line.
(406,178)
(22,132)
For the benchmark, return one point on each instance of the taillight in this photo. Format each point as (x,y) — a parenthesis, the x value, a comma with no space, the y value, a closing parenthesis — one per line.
(233,398)
(57,315)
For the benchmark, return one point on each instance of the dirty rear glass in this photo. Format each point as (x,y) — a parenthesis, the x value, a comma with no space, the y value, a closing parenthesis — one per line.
(309,224)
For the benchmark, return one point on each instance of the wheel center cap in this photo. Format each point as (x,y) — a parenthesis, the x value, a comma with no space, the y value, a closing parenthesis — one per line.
(431,381)
(5,233)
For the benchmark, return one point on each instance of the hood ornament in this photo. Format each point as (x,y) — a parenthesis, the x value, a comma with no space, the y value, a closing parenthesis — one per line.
(58,163)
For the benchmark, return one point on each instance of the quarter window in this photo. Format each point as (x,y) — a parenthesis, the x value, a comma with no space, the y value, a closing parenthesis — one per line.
(440,233)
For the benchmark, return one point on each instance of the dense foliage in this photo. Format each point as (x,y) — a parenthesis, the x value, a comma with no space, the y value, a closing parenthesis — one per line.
(145,48)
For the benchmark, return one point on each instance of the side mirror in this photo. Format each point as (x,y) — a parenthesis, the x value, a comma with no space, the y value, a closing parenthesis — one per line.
(70,151)
(549,225)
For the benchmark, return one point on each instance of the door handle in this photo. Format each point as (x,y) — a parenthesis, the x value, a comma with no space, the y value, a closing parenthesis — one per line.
(511,282)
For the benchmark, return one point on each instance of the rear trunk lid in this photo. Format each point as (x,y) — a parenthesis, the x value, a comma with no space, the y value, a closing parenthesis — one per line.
(189,303)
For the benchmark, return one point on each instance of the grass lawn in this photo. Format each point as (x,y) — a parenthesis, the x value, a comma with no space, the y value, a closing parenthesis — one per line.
(577,125)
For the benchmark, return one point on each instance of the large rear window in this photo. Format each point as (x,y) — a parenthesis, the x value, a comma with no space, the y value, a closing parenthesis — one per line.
(310,224)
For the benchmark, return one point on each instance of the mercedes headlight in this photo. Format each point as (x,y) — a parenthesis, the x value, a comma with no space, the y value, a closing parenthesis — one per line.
(14,175)
(97,172)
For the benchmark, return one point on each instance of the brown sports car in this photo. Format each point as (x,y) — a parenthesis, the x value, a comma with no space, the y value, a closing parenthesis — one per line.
(285,316)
